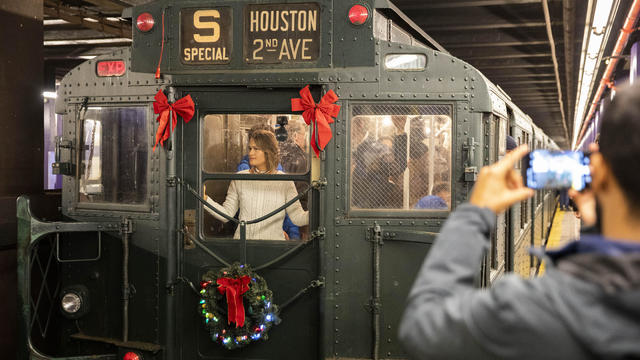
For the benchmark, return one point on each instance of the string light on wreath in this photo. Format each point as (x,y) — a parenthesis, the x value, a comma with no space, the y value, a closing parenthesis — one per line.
(236,306)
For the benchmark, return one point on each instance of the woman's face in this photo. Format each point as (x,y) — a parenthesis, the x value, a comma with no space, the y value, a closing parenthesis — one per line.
(257,158)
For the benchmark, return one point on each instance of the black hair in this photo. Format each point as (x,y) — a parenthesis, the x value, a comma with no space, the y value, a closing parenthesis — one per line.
(620,141)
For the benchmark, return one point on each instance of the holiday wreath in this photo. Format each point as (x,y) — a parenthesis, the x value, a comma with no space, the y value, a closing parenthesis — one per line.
(225,294)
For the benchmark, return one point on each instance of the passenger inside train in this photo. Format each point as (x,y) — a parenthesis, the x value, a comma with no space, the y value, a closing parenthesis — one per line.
(587,304)
(288,154)
(391,162)
(254,199)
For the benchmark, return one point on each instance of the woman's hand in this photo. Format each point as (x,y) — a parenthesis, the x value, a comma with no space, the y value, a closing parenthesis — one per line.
(499,185)
(204,192)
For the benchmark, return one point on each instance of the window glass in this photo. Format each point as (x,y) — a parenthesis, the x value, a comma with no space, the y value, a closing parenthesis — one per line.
(414,62)
(114,155)
(502,142)
(251,199)
(226,136)
(52,129)
(401,157)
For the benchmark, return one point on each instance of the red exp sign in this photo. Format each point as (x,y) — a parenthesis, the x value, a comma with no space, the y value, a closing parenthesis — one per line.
(111,68)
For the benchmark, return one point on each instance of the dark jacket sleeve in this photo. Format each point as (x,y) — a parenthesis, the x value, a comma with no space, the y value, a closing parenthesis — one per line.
(448,318)
(435,322)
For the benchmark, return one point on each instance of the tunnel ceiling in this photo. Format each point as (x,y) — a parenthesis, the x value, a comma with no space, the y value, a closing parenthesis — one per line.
(508,40)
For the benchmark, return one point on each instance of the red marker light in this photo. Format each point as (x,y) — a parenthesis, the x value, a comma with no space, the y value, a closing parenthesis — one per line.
(358,14)
(111,68)
(145,22)
(131,356)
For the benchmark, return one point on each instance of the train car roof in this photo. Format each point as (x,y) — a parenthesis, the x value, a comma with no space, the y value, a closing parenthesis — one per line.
(84,83)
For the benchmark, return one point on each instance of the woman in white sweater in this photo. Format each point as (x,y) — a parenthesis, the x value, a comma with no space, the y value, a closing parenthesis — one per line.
(257,198)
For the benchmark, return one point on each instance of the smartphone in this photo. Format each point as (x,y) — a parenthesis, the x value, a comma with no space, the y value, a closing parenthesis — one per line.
(544,169)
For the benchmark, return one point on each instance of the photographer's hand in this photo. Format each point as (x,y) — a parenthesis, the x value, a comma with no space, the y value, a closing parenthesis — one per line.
(499,185)
(585,200)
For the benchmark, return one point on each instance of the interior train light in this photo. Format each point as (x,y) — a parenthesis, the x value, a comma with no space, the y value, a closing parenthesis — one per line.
(111,68)
(358,14)
(131,356)
(145,22)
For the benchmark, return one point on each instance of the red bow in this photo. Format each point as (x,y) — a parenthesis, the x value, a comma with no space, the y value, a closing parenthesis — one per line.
(234,288)
(320,114)
(183,107)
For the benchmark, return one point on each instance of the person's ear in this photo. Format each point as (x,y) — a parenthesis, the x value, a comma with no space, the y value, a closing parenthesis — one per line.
(600,173)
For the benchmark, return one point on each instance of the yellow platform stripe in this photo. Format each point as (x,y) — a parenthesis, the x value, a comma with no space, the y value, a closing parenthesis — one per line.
(554,235)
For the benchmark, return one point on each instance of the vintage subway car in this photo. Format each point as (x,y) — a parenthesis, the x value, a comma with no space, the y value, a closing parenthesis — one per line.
(125,272)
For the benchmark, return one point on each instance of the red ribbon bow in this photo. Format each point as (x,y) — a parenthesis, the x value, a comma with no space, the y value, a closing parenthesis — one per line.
(321,115)
(183,107)
(234,288)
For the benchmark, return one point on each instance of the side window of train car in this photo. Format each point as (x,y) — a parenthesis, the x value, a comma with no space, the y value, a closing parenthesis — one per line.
(114,156)
(225,151)
(502,141)
(400,157)
(527,207)
(523,205)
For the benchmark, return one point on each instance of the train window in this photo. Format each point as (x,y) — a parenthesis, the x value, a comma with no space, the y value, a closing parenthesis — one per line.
(401,157)
(52,129)
(114,155)
(414,62)
(247,201)
(225,139)
(502,141)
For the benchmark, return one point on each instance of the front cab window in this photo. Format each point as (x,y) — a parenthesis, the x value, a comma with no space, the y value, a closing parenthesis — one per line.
(227,176)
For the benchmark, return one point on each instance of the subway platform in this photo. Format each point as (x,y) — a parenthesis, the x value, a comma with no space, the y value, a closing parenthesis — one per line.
(564,229)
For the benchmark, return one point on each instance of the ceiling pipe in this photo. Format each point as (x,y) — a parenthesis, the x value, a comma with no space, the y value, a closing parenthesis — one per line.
(625,32)
(568,16)
(547,19)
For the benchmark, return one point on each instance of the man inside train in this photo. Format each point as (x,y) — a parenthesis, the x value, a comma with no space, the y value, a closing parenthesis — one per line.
(586,306)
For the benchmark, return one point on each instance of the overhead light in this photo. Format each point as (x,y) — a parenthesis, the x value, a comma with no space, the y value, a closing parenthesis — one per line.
(54,22)
(90,20)
(597,30)
(85,41)
(49,94)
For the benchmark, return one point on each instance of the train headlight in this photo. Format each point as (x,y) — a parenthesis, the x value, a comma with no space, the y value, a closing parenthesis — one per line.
(145,22)
(358,14)
(74,301)
(71,303)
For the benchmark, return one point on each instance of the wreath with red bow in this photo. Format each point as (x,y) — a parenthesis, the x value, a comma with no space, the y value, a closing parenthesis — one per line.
(237,306)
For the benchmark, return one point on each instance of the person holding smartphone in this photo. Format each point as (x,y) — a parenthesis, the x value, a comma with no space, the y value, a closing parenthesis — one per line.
(586,306)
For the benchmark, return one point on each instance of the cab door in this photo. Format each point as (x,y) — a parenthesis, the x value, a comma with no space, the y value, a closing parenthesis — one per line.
(390,191)
(213,146)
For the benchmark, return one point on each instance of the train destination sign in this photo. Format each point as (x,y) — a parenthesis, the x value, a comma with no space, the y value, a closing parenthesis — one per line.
(206,35)
(281,33)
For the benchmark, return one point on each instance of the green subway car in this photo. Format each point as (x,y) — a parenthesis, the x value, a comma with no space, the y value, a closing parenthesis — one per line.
(156,239)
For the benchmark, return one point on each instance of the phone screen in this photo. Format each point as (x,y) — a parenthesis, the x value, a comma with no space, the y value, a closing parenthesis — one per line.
(557,170)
